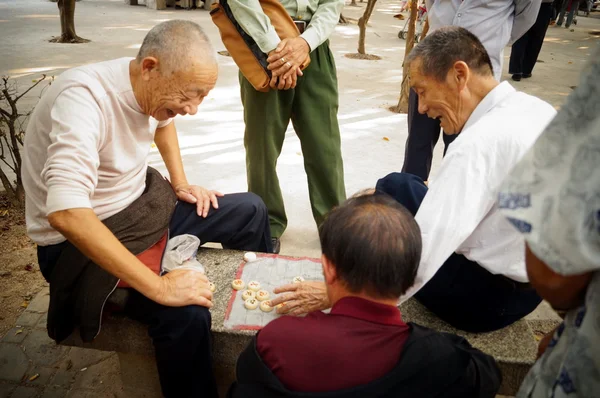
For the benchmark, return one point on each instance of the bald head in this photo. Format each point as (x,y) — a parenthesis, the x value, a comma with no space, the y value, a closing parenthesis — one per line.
(177,45)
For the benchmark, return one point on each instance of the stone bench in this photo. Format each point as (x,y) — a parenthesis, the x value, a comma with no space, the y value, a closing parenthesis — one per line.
(514,347)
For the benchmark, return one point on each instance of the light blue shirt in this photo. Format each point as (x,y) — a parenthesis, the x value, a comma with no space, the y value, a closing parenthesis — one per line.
(496,23)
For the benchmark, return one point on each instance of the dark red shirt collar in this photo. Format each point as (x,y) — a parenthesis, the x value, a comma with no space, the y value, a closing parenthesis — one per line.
(368,310)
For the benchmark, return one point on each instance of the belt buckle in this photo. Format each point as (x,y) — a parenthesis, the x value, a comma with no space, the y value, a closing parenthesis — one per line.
(301,25)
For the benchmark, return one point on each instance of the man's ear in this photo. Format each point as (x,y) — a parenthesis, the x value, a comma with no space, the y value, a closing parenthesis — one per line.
(149,66)
(329,270)
(462,74)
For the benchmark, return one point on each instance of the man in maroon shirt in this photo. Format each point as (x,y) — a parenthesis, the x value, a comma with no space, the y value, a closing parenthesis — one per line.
(371,250)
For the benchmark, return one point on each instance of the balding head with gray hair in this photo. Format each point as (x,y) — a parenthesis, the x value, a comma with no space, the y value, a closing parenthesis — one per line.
(440,50)
(176,44)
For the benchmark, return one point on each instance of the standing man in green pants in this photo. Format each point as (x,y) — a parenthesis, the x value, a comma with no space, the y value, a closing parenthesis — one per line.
(309,98)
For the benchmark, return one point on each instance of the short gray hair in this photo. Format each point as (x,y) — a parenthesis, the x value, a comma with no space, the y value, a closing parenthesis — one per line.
(440,50)
(174,42)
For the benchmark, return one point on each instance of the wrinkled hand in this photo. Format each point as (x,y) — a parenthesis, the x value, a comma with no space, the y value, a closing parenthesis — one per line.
(199,195)
(285,60)
(279,83)
(301,298)
(182,287)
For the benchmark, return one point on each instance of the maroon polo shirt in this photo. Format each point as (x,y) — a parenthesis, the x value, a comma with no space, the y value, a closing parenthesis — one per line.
(358,342)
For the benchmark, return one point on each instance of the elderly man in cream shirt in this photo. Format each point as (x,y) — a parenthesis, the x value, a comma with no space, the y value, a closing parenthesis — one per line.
(93,202)
(472,269)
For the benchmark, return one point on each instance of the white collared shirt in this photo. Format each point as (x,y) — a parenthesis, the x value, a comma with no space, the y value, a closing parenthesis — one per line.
(459,212)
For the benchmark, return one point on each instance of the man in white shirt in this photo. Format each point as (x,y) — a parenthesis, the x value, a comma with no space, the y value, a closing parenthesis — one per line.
(472,270)
(496,23)
(93,202)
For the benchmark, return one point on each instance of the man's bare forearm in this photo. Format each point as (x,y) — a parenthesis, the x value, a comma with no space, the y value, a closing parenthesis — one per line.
(168,145)
(84,230)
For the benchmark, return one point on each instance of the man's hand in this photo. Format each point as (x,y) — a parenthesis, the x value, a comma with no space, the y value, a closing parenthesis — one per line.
(183,287)
(286,59)
(301,298)
(201,196)
(279,83)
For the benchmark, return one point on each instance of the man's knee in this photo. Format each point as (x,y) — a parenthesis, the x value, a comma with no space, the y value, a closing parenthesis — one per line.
(193,318)
(408,189)
(250,204)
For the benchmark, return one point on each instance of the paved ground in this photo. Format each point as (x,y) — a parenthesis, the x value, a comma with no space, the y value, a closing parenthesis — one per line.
(212,141)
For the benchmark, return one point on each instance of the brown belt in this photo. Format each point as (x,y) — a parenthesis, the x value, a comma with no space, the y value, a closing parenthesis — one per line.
(301,25)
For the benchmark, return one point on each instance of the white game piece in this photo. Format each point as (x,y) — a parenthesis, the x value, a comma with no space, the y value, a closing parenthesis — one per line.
(251,304)
(250,257)
(262,295)
(254,286)
(248,294)
(298,279)
(237,284)
(212,286)
(265,306)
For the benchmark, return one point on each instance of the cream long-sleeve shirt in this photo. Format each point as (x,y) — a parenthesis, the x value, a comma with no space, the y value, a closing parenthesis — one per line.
(460,210)
(86,146)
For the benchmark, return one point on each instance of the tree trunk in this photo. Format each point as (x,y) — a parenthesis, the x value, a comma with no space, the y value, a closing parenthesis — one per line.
(354,3)
(425,30)
(11,192)
(67,23)
(410,43)
(362,25)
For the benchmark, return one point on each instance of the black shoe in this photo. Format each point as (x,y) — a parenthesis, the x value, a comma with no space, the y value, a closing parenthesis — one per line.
(276,243)
(526,75)
(517,77)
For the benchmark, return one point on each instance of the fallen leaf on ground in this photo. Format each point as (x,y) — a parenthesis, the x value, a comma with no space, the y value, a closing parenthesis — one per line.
(29,267)
(19,331)
(35,376)
(386,139)
(3,213)
(570,62)
(24,304)
(83,369)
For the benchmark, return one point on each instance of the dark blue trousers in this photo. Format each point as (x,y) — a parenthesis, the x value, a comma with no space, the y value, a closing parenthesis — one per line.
(463,293)
(525,51)
(181,335)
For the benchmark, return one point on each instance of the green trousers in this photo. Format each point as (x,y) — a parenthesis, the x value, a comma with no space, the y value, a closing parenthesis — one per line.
(312,107)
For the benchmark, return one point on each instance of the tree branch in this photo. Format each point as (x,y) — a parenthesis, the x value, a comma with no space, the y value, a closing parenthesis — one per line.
(30,88)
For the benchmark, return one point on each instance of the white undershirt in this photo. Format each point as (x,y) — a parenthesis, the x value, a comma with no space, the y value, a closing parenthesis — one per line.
(459,212)
(86,146)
